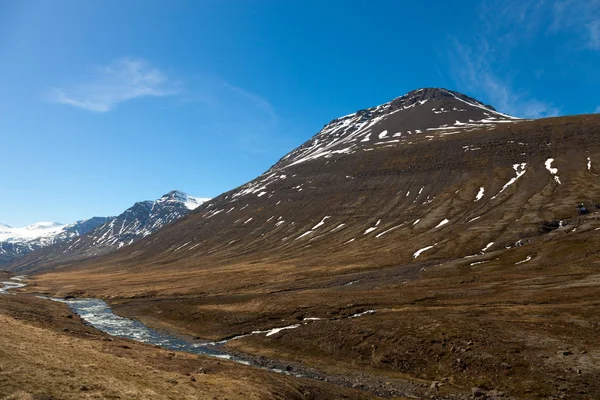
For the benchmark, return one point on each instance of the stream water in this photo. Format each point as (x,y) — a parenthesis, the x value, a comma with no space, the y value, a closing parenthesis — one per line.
(13,283)
(99,315)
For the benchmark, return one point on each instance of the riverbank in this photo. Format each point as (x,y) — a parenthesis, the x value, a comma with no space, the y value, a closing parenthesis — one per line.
(48,352)
(97,314)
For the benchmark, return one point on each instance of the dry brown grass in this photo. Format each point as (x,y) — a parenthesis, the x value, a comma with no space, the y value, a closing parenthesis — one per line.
(19,395)
(518,319)
(46,355)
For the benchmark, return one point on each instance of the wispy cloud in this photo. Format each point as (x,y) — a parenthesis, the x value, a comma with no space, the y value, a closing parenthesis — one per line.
(238,115)
(244,118)
(248,118)
(594,29)
(473,68)
(482,62)
(597,109)
(122,80)
(580,17)
(258,101)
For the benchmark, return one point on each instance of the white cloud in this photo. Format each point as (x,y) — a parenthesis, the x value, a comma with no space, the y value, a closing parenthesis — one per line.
(594,33)
(581,17)
(480,63)
(597,109)
(248,120)
(472,67)
(255,99)
(123,80)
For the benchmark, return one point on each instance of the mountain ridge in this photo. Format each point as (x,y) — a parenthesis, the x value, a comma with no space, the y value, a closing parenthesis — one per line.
(17,242)
(105,234)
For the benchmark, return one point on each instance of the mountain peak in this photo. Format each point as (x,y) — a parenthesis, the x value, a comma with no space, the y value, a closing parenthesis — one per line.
(190,202)
(175,195)
(44,225)
(421,114)
(432,94)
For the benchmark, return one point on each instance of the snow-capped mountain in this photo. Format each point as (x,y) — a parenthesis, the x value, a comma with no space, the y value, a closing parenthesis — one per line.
(17,242)
(427,112)
(435,170)
(35,231)
(138,221)
(176,197)
(142,219)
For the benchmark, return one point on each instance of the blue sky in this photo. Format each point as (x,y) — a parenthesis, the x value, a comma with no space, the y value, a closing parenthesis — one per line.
(108,103)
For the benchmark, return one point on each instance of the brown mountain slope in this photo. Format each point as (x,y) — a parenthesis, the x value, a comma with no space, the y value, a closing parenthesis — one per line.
(495,287)
(363,208)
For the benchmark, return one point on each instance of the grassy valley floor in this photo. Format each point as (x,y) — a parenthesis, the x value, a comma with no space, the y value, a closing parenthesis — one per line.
(526,329)
(47,353)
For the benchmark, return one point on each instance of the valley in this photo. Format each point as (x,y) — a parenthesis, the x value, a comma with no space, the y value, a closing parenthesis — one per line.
(66,359)
(457,259)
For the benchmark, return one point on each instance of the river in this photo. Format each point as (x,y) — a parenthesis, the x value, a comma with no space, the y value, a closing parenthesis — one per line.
(99,315)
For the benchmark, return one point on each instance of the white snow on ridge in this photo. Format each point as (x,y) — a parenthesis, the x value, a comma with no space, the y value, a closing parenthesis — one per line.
(548,164)
(388,230)
(482,107)
(552,171)
(371,229)
(524,261)
(277,330)
(360,314)
(340,226)
(321,223)
(444,222)
(418,252)
(480,194)
(520,170)
(490,244)
(589,163)
(304,234)
(194,202)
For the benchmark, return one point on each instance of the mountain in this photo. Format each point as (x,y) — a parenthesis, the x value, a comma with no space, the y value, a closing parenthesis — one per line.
(431,239)
(431,168)
(138,221)
(17,242)
(375,171)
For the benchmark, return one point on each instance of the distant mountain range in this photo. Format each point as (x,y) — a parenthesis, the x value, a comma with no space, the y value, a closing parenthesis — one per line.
(52,241)
(17,242)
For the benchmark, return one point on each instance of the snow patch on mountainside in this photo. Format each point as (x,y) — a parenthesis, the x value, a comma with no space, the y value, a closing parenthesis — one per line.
(553,171)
